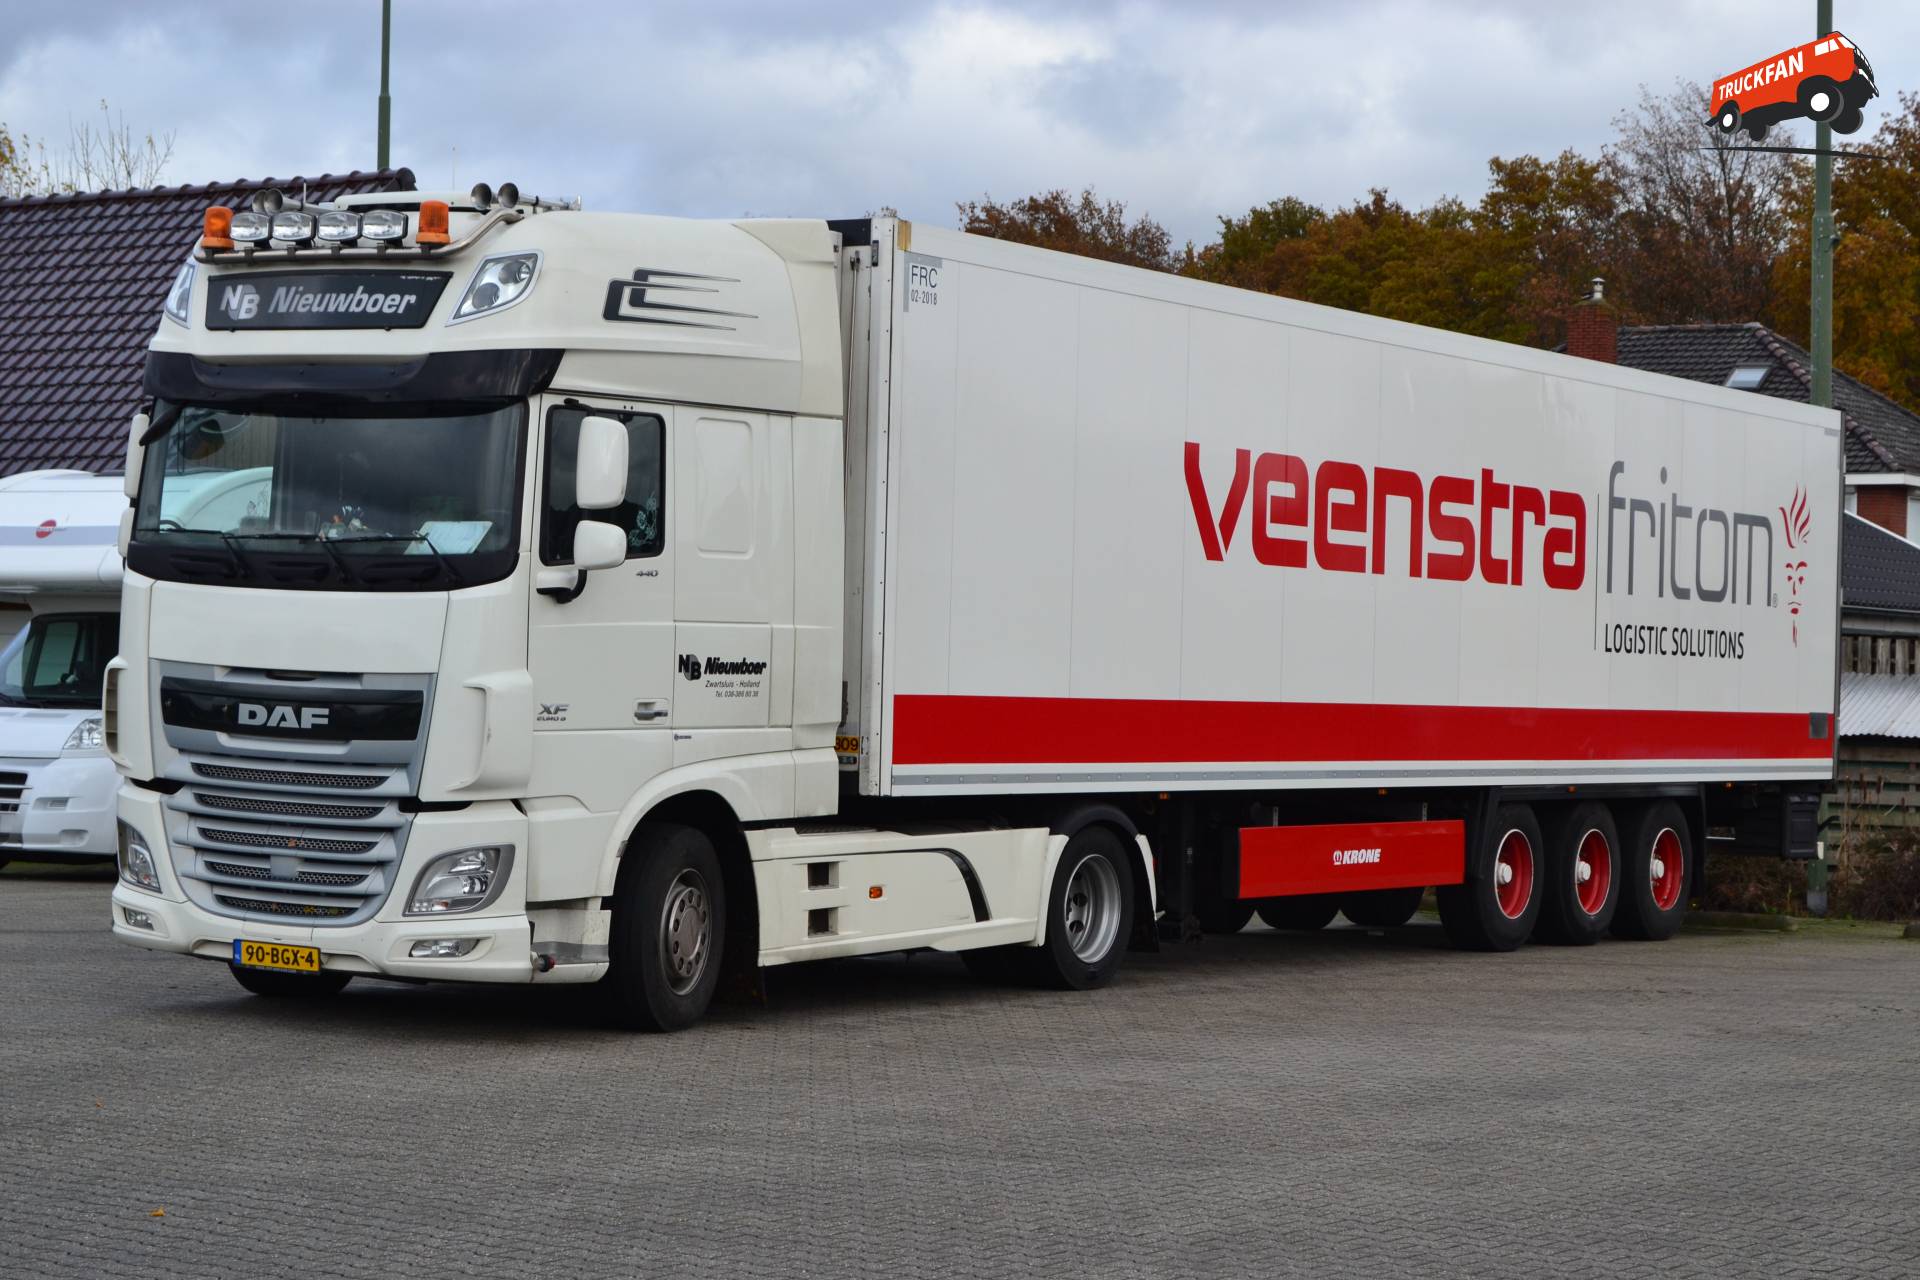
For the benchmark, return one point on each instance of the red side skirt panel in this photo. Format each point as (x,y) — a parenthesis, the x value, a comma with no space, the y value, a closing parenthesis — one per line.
(1280,861)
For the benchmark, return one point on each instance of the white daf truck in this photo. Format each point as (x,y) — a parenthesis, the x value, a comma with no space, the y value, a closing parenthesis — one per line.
(637,599)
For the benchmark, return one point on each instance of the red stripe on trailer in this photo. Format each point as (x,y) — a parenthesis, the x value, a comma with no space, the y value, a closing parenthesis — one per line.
(933,729)
(1278,862)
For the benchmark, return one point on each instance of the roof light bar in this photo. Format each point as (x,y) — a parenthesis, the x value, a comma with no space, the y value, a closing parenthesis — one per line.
(292,226)
(339,226)
(251,228)
(384,226)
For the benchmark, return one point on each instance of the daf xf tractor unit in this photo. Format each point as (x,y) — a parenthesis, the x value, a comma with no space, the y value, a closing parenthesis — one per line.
(636,599)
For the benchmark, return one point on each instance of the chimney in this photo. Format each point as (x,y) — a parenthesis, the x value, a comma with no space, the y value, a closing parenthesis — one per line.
(1592,331)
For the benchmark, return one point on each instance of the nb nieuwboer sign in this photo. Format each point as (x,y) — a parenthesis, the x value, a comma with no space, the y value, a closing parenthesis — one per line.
(324,300)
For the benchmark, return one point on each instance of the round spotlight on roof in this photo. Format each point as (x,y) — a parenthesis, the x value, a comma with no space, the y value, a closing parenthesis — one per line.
(268,200)
(482,196)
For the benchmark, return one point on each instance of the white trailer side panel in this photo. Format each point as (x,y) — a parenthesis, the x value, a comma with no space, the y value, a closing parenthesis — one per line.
(1142,533)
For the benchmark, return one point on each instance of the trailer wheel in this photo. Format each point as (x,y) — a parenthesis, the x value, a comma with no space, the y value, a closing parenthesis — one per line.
(1381,908)
(1495,908)
(1654,884)
(1582,889)
(669,929)
(291,986)
(1821,99)
(1089,914)
(1308,912)
(1223,915)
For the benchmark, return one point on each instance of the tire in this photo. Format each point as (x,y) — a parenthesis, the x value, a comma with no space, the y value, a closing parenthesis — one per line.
(1849,120)
(1089,915)
(1582,889)
(1657,874)
(1381,908)
(1757,133)
(669,929)
(1495,910)
(1729,119)
(290,986)
(1306,913)
(1831,100)
(1223,915)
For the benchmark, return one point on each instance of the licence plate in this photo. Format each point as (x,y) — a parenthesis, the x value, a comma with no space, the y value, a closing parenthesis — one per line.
(276,955)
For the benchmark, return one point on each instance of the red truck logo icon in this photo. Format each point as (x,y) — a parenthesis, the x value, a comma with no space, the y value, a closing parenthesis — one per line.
(1828,81)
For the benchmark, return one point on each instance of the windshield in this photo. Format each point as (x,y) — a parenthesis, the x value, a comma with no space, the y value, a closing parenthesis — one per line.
(409,499)
(59,660)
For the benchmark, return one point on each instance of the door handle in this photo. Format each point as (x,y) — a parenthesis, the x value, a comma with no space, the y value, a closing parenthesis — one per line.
(651,709)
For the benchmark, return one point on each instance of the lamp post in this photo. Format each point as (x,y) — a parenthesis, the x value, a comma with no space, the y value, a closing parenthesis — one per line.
(386,102)
(1822,326)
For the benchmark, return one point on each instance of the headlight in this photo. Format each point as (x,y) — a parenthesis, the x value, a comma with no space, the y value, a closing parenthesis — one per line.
(498,284)
(137,865)
(339,226)
(251,227)
(388,226)
(181,294)
(291,226)
(86,736)
(465,880)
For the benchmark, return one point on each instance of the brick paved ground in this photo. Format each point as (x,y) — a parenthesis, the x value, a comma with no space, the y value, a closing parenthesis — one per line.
(1266,1105)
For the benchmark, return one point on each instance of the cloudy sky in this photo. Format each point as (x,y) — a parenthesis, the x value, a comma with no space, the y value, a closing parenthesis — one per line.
(1184,110)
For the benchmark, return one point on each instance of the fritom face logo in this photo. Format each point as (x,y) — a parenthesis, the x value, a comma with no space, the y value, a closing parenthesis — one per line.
(256,715)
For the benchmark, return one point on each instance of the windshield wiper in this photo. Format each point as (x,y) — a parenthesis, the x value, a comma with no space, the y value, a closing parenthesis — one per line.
(227,540)
(326,545)
(445,563)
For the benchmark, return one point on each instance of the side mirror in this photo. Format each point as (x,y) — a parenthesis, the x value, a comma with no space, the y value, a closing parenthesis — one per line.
(598,545)
(135,454)
(600,469)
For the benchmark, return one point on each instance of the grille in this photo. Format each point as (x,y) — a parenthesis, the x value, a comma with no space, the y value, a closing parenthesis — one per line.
(310,910)
(303,844)
(239,871)
(12,787)
(332,879)
(287,778)
(288,808)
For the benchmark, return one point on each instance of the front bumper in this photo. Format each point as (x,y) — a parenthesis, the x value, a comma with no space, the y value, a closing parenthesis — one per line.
(379,946)
(66,810)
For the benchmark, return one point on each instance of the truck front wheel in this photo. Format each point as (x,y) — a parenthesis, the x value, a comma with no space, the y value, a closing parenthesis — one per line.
(1089,914)
(1653,888)
(1495,909)
(669,927)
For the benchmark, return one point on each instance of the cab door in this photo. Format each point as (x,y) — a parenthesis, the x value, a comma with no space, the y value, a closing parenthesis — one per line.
(733,591)
(605,658)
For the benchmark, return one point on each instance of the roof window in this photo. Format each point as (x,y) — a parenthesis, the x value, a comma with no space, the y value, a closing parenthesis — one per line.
(1748,377)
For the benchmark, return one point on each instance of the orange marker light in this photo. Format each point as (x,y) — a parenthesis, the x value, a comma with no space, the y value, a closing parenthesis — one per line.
(216,229)
(433,223)
(875,891)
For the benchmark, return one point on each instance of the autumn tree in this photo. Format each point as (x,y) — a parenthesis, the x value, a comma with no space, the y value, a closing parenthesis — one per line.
(1876,269)
(1086,225)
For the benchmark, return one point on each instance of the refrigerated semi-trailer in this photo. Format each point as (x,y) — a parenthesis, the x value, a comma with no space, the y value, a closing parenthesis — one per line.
(638,598)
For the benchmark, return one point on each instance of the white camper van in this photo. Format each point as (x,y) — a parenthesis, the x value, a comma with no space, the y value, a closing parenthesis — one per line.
(57,557)
(637,597)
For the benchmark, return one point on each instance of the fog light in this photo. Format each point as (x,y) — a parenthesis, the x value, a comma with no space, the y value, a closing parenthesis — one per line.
(465,880)
(442,948)
(137,866)
(138,919)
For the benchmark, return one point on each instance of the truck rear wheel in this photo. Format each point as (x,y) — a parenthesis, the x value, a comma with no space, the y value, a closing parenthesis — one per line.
(1655,880)
(1495,909)
(1307,912)
(1228,915)
(1381,908)
(291,986)
(1582,889)
(669,929)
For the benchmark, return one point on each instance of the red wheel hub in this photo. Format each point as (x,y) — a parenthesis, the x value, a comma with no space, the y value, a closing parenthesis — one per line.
(1513,874)
(1667,869)
(1593,872)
